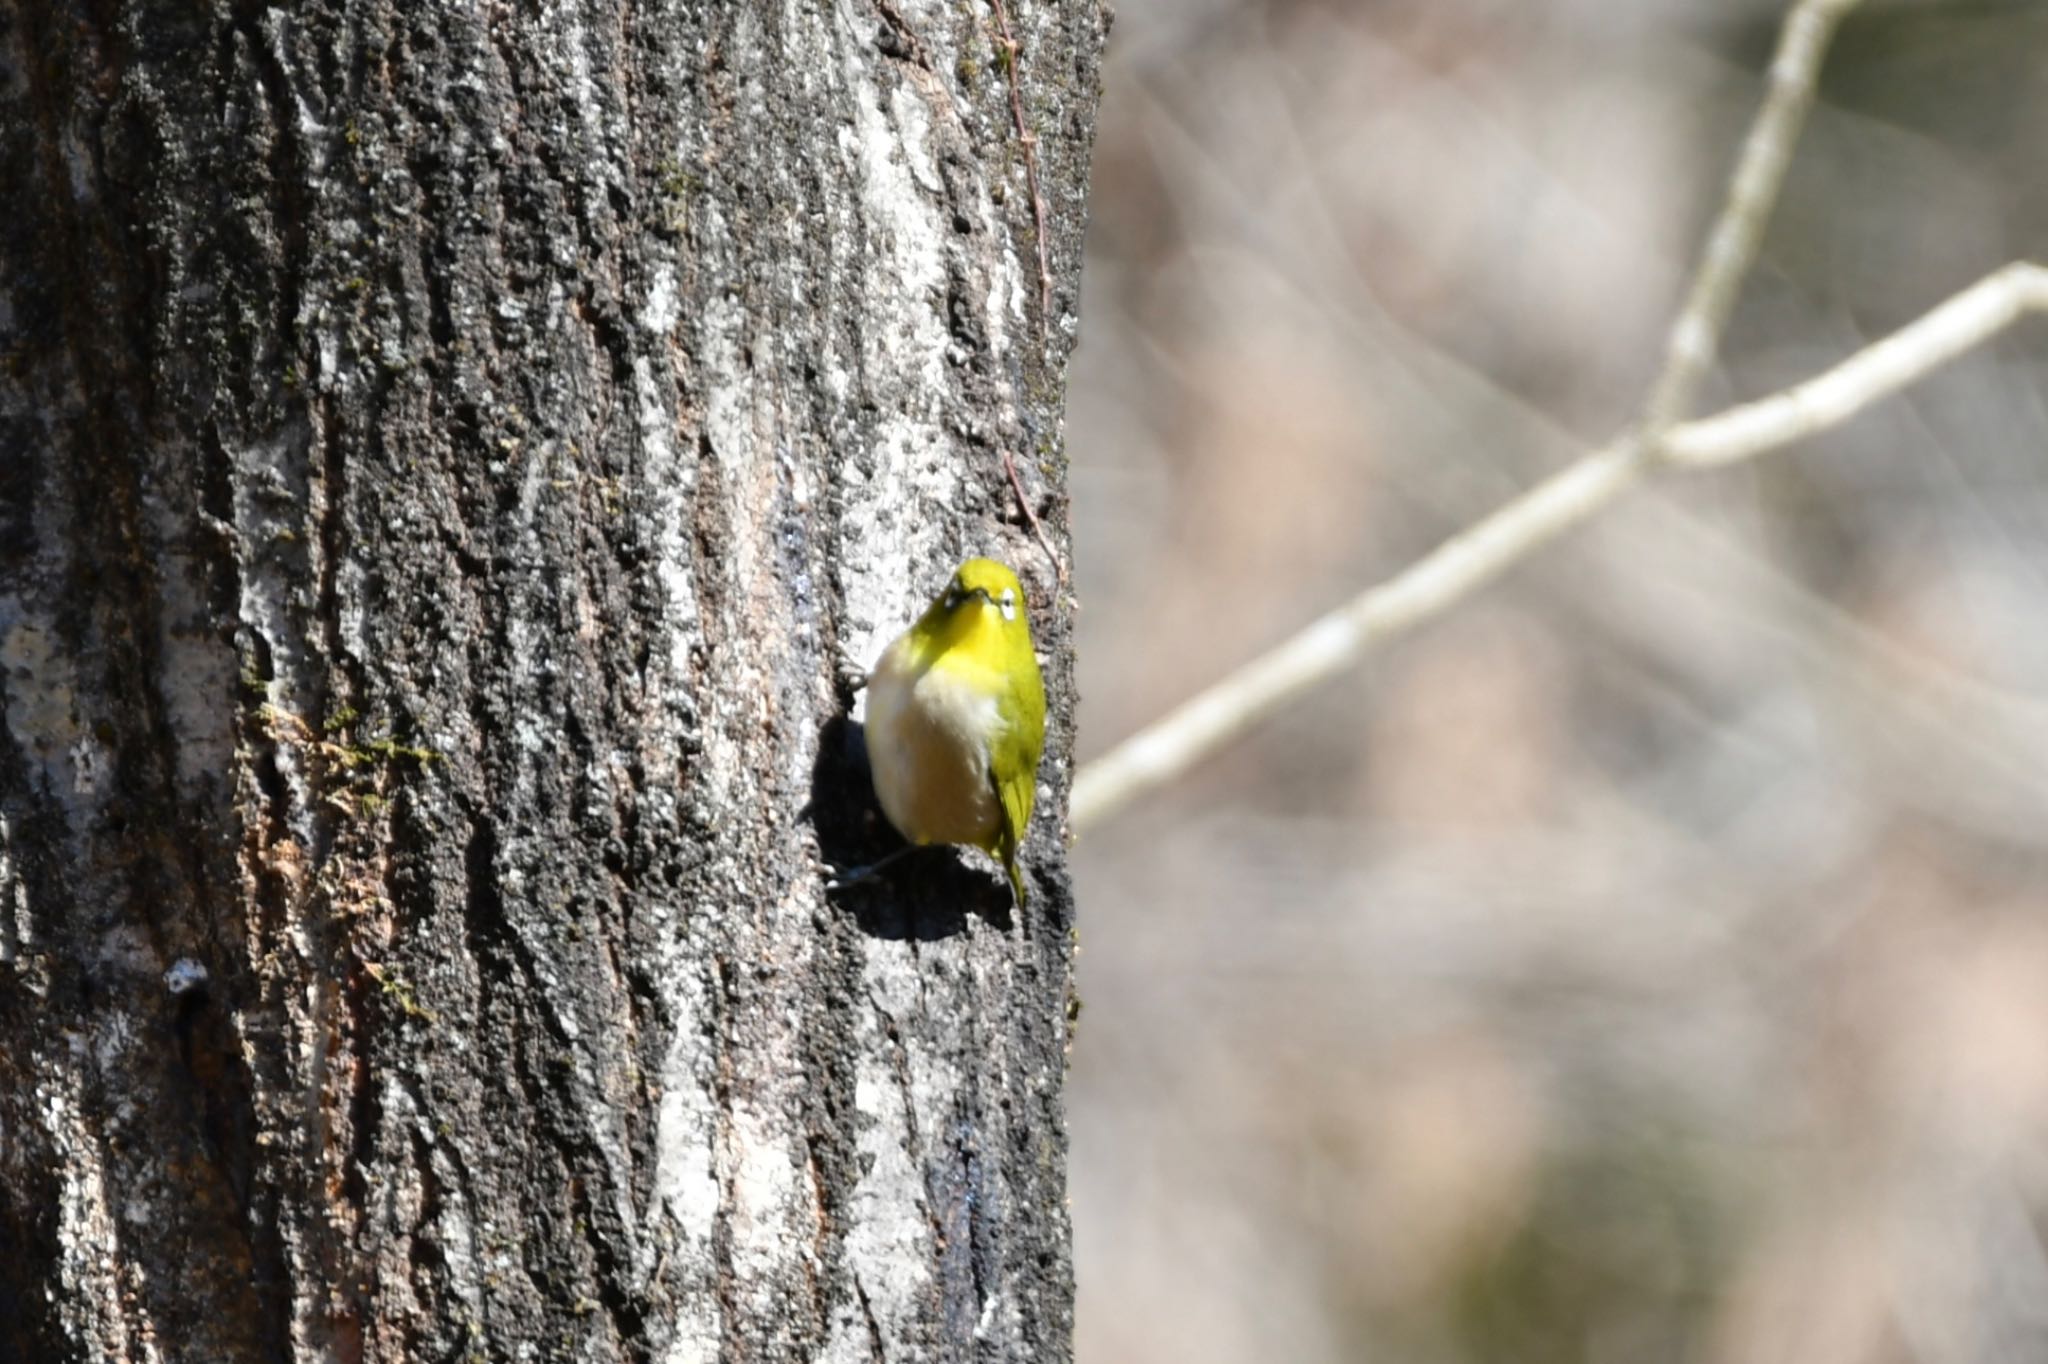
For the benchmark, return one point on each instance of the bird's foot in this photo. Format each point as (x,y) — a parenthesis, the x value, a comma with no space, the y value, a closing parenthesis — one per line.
(842,877)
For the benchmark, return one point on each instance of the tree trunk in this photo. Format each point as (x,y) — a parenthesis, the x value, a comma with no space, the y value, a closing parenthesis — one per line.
(452,459)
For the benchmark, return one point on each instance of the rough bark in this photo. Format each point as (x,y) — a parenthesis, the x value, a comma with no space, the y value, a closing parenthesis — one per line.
(452,458)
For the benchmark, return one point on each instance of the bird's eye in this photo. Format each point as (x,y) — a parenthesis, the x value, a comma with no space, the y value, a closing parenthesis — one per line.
(1009,603)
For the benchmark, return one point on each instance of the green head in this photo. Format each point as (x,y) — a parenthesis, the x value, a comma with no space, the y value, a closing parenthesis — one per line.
(993,583)
(982,609)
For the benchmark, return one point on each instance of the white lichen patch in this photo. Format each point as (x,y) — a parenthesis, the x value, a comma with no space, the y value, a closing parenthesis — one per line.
(16,930)
(906,270)
(998,1320)
(684,1185)
(662,306)
(682,1214)
(269,506)
(673,482)
(914,137)
(889,1231)
(729,406)
(767,1209)
(454,1234)
(353,594)
(1006,292)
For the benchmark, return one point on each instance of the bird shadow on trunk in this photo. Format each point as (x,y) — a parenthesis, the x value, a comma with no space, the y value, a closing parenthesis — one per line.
(926,894)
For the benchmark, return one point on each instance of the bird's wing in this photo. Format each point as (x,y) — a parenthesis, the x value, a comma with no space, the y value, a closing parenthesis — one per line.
(1016,751)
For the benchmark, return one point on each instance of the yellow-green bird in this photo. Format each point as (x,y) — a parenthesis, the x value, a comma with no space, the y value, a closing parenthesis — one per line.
(956,719)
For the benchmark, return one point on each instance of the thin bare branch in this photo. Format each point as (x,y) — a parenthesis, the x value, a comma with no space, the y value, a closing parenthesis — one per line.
(1480,553)
(1882,368)
(1477,555)
(1059,566)
(1695,338)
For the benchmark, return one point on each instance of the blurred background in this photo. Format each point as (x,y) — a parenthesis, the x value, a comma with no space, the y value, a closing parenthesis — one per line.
(1648,962)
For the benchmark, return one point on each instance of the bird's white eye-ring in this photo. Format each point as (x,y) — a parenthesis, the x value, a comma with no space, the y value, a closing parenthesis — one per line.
(1008,605)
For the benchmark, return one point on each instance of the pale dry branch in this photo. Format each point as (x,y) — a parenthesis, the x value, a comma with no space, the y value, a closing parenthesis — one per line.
(1985,740)
(1452,571)
(1476,555)
(1880,369)
(1695,338)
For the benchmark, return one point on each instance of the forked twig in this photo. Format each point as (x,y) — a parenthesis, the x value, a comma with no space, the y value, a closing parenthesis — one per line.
(1475,556)
(1483,551)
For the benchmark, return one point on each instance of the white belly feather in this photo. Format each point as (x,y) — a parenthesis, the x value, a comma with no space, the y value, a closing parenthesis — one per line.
(929,736)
